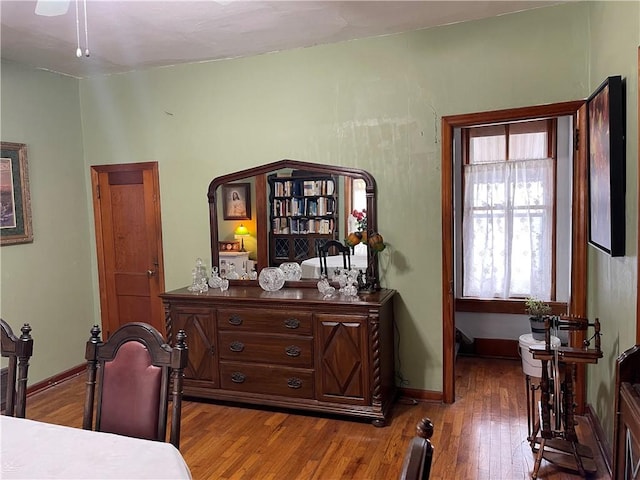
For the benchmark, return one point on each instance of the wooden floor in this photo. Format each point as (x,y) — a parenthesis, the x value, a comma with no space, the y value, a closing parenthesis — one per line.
(481,436)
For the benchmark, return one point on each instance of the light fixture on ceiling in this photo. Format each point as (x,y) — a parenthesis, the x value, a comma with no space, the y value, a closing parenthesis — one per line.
(86,33)
(53,8)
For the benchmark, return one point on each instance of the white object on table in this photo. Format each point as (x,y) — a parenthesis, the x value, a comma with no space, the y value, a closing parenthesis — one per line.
(239,259)
(31,449)
(311,266)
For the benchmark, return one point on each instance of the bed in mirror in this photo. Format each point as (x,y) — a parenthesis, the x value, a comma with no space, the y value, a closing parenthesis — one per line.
(283,212)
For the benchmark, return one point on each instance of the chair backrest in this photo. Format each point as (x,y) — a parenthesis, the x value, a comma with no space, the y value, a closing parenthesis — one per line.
(417,460)
(135,369)
(332,246)
(18,350)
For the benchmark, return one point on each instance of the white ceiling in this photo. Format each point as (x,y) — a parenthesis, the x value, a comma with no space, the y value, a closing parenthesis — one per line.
(131,35)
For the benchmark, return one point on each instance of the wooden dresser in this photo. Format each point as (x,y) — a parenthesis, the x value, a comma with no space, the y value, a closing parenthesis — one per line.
(289,348)
(626,435)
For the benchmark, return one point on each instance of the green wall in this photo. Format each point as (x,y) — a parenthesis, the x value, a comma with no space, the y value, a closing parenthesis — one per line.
(374,104)
(613,50)
(49,283)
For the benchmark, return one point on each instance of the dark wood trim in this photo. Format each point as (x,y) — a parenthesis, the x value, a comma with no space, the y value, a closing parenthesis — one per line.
(448,302)
(579,270)
(638,214)
(578,304)
(55,380)
(502,306)
(601,437)
(552,151)
(262,222)
(420,395)
(496,347)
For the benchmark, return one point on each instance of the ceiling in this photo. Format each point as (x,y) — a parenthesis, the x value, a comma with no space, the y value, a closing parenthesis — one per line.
(125,35)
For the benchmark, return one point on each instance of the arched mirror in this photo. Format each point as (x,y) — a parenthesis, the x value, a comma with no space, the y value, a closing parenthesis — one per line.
(282,212)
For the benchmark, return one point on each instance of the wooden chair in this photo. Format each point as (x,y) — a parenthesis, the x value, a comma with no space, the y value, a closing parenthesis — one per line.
(135,369)
(417,460)
(333,246)
(18,350)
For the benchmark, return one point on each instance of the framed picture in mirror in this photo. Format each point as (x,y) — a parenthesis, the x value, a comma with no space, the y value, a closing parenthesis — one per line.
(236,201)
(233,246)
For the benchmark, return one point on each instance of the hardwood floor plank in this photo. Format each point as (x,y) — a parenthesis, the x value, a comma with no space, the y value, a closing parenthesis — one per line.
(482,436)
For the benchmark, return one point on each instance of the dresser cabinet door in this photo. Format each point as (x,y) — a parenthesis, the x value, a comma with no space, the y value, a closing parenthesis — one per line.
(199,324)
(342,361)
(628,445)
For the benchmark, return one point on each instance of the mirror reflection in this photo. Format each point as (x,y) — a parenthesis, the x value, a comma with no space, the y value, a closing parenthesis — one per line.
(271,217)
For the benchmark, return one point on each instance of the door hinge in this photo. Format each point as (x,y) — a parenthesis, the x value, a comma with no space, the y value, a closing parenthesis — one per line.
(98,191)
(576,140)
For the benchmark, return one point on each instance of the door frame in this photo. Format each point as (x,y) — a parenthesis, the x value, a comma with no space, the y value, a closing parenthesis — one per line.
(578,295)
(638,240)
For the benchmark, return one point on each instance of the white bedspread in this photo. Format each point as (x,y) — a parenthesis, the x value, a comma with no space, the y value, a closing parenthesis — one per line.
(37,450)
(311,266)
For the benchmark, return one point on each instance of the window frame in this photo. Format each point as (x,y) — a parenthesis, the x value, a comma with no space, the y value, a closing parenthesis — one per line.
(512,304)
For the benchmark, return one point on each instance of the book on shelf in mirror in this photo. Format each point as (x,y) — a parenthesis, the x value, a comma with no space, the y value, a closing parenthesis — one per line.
(284,226)
(306,188)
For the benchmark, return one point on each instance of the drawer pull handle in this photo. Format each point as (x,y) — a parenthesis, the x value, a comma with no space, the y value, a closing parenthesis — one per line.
(237,377)
(293,351)
(294,382)
(292,323)
(236,346)
(235,320)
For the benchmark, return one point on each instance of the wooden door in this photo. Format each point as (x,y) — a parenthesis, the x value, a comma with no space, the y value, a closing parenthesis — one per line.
(126,205)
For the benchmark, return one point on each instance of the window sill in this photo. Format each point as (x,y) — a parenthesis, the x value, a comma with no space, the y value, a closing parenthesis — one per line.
(502,306)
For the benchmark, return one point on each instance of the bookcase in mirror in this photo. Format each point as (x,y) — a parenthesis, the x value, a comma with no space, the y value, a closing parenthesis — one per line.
(276,234)
(303,208)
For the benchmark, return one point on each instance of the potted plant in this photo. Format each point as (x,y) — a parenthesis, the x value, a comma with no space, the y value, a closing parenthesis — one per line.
(537,310)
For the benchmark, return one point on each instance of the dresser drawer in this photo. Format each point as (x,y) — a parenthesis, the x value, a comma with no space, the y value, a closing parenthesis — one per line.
(265,379)
(267,321)
(292,351)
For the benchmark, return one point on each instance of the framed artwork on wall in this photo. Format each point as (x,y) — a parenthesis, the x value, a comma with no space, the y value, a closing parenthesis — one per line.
(236,201)
(607,178)
(15,197)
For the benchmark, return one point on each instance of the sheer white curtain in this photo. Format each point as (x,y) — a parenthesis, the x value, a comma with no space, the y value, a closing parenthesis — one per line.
(508,224)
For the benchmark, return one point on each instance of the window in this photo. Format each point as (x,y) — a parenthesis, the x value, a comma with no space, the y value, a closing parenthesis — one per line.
(355,198)
(508,210)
